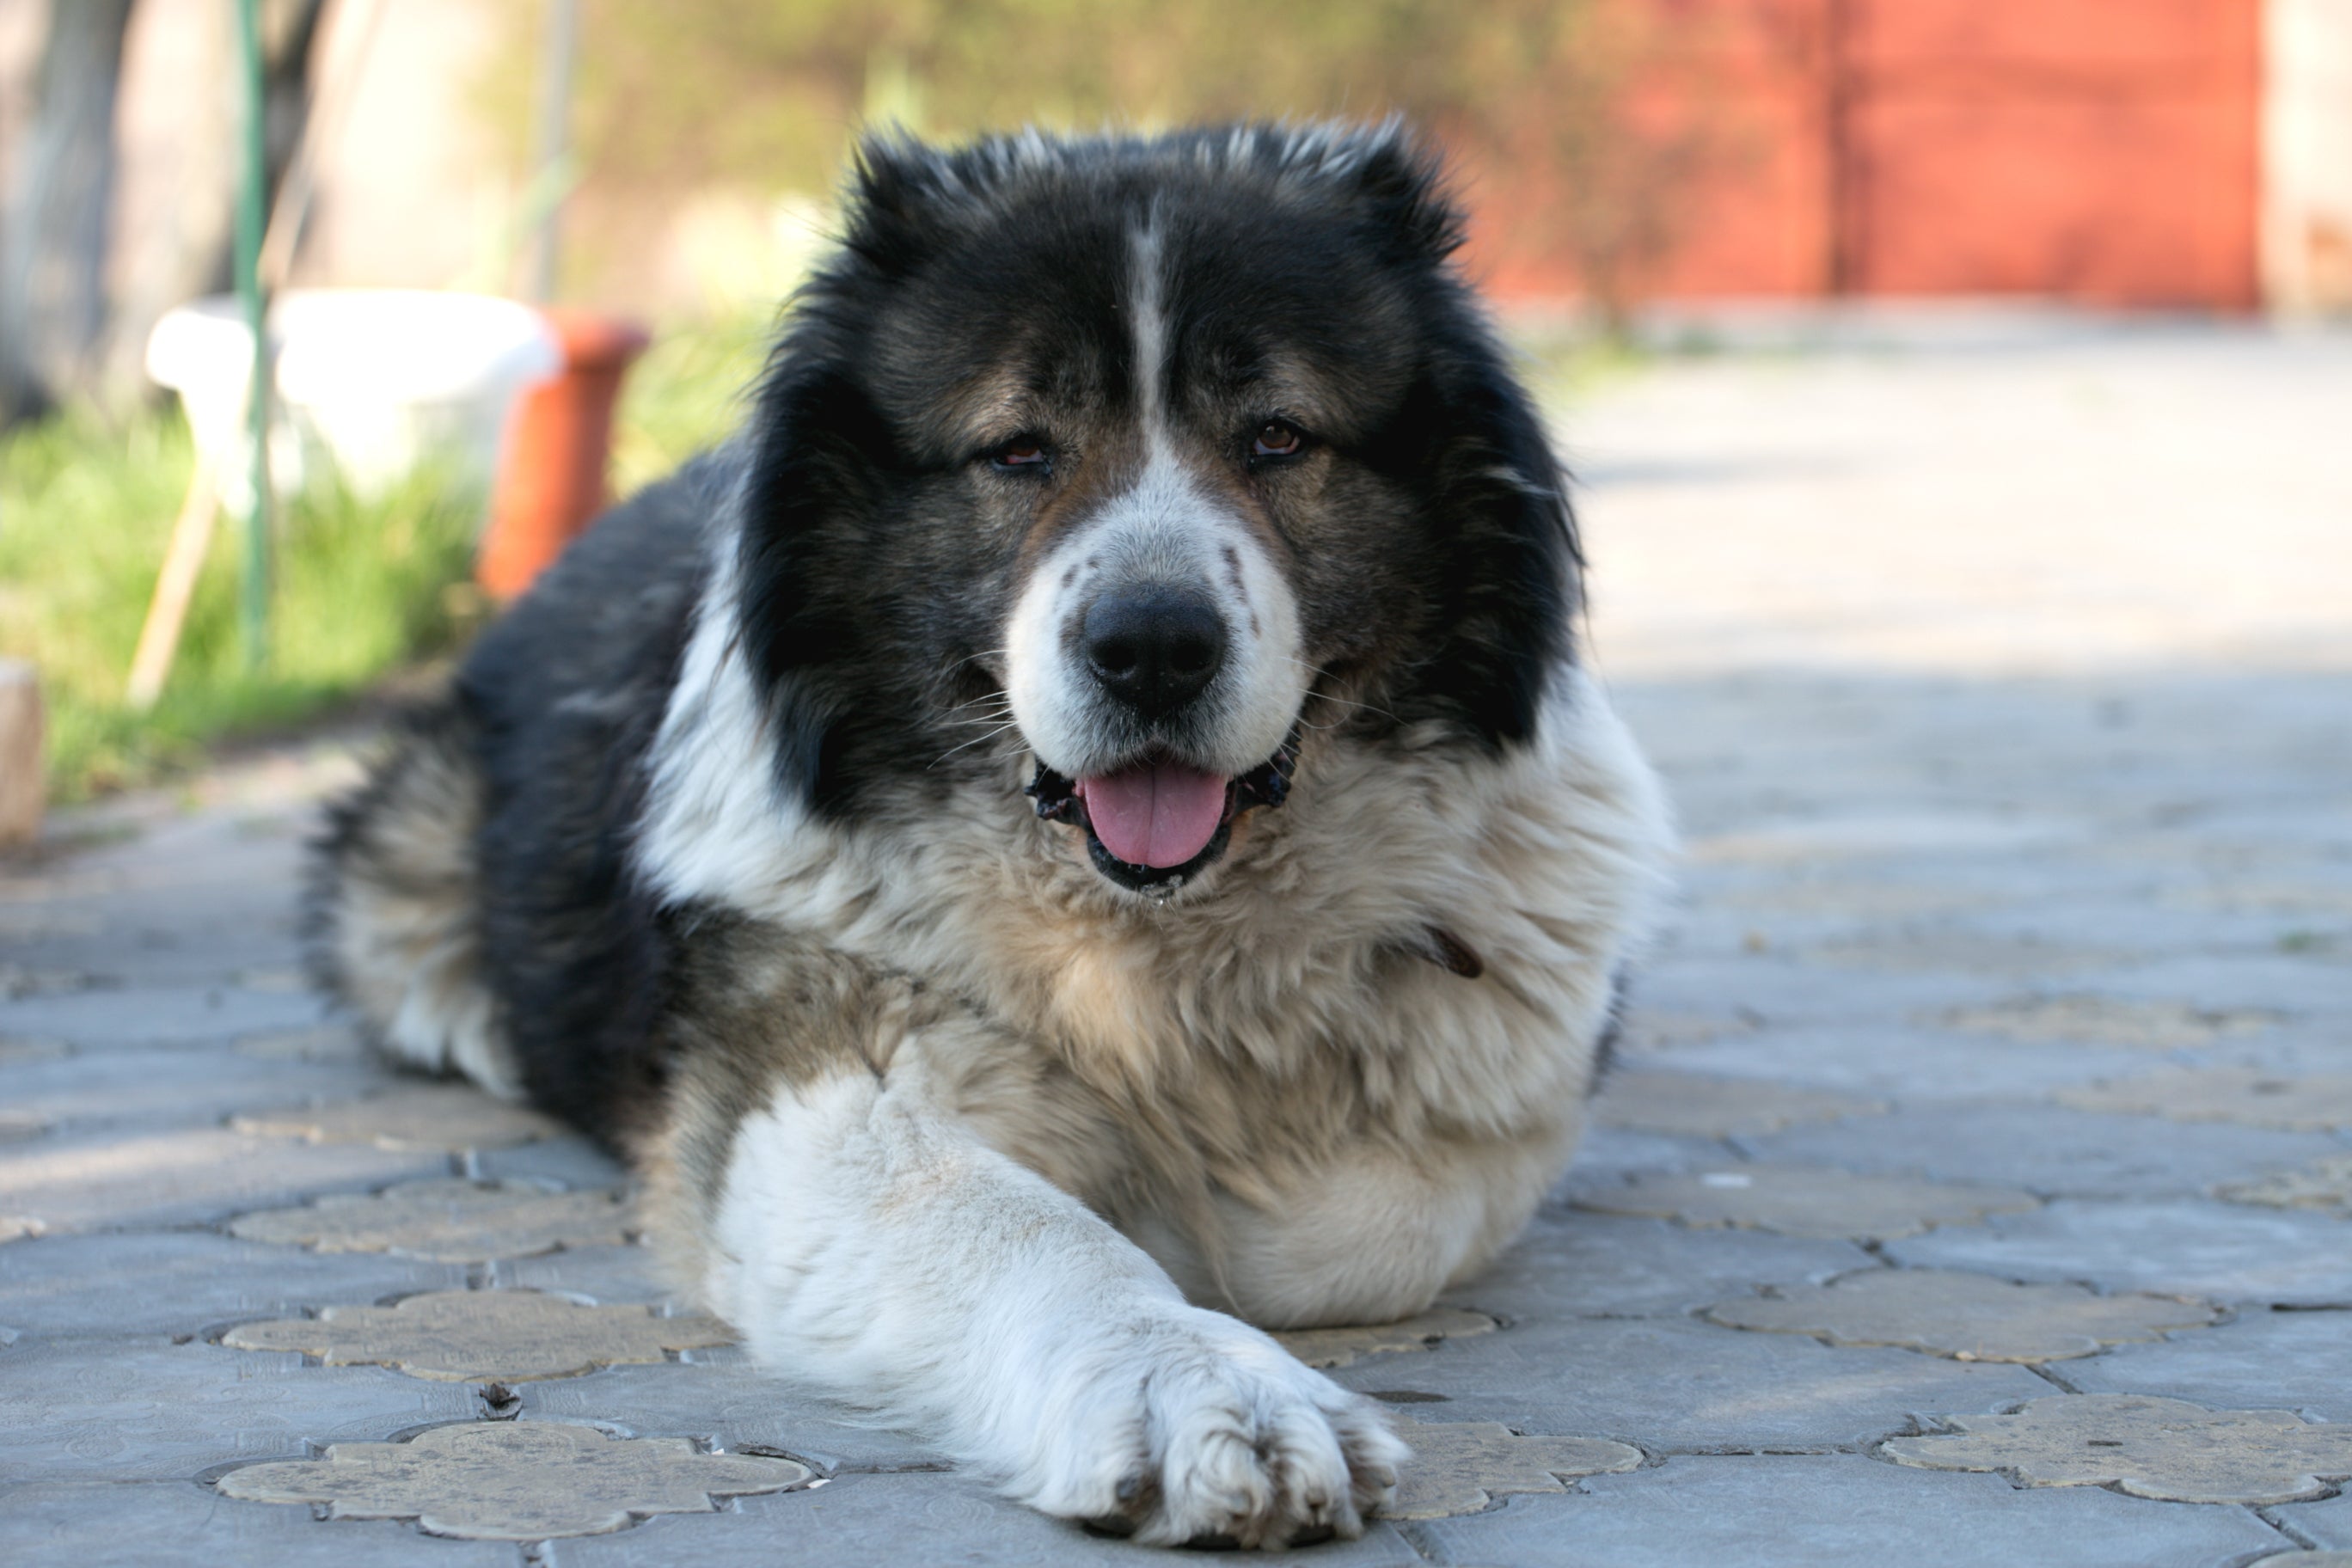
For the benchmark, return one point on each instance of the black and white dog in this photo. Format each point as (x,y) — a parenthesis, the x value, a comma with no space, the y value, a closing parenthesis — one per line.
(1079,831)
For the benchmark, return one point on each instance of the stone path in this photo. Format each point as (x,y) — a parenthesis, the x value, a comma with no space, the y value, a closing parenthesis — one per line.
(1974,1192)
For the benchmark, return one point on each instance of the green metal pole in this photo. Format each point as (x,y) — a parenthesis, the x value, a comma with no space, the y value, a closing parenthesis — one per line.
(252,218)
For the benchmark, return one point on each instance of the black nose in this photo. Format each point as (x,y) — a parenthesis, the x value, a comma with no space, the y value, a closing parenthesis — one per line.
(1154,649)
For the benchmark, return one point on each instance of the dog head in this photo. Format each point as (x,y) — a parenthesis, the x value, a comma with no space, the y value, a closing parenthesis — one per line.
(1113,463)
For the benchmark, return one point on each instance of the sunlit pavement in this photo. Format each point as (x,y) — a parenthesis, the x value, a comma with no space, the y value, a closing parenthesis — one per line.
(1981,1149)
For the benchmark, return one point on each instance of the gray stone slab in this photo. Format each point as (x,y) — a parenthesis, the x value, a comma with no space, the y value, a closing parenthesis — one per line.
(2326,1524)
(1581,1264)
(1673,1384)
(159,1016)
(1904,1064)
(2229,1253)
(96,1524)
(597,1273)
(187,1282)
(860,1520)
(92,1410)
(179,1087)
(2047,1149)
(2265,1360)
(1625,1148)
(1837,1511)
(721,1397)
(178,1176)
(570,1160)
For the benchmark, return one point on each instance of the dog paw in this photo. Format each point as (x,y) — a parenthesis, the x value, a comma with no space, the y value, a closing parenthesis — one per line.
(1210,1434)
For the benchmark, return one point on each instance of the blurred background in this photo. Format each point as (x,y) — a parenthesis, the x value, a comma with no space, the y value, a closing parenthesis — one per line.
(1647,179)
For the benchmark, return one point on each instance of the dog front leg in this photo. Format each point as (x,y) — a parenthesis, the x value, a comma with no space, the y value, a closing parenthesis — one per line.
(865,1240)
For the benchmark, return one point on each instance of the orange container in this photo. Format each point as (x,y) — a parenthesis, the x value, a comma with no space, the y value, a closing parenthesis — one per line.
(551,476)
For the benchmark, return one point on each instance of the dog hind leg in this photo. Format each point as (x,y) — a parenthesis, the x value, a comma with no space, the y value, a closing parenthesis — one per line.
(393,912)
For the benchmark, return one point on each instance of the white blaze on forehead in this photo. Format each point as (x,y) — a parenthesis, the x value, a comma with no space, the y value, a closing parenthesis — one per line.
(1166,529)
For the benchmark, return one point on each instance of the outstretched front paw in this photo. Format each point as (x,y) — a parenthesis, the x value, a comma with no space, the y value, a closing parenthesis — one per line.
(1206,1431)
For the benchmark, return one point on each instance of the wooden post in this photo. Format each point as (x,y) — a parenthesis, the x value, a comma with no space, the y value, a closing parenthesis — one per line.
(21,789)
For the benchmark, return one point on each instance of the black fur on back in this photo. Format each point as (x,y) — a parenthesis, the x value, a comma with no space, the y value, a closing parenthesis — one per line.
(565,692)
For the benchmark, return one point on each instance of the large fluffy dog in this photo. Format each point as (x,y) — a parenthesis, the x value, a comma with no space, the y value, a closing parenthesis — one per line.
(1081,828)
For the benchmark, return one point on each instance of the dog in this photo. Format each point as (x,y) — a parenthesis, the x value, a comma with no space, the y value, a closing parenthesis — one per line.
(1078,836)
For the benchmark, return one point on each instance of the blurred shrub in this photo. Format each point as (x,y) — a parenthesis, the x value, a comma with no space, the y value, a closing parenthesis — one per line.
(85,512)
(1552,100)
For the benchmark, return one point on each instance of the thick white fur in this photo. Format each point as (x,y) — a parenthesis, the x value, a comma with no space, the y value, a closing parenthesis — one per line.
(876,1246)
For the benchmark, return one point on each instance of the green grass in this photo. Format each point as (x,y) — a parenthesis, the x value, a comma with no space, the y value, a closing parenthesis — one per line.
(686,395)
(361,587)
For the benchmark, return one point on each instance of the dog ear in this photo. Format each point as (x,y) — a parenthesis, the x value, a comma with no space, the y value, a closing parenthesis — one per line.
(808,505)
(1505,563)
(1400,179)
(897,202)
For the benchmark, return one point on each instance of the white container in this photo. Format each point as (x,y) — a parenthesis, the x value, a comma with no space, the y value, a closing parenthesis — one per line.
(371,383)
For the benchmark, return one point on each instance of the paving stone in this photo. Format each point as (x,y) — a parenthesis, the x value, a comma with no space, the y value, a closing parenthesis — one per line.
(1968,1316)
(2325,1184)
(1835,1510)
(1674,1384)
(1909,1066)
(598,1273)
(504,1336)
(2109,1021)
(1694,1107)
(175,1176)
(2328,1524)
(96,1524)
(1620,1149)
(92,1410)
(450,1220)
(409,1115)
(17,1227)
(719,1396)
(568,1160)
(131,1016)
(858,1521)
(1463,1466)
(2294,1361)
(1580,1264)
(2225,1253)
(331,1044)
(187,1282)
(178,1087)
(1804,1200)
(1966,952)
(2312,1103)
(514,1480)
(2162,1448)
(2303,1559)
(1346,1346)
(2047,1149)
(16,1053)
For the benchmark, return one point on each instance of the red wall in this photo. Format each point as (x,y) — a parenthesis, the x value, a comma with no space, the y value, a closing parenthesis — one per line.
(2101,150)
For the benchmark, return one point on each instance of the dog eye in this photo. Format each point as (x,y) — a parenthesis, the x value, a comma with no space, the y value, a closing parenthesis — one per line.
(1021,452)
(1276,438)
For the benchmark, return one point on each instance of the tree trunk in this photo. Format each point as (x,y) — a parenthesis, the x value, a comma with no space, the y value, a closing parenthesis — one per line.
(54,242)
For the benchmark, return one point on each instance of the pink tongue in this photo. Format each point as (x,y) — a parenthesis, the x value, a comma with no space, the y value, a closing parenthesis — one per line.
(1157,814)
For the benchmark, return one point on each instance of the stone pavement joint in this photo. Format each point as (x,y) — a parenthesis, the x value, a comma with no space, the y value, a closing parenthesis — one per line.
(2107,1021)
(1687,1105)
(2324,1184)
(452,1118)
(515,1480)
(1806,1201)
(450,1221)
(1344,1346)
(1462,1467)
(2310,1102)
(1967,1317)
(485,1336)
(2163,1448)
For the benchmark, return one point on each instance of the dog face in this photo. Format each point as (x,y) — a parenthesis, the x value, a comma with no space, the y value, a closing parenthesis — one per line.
(1135,457)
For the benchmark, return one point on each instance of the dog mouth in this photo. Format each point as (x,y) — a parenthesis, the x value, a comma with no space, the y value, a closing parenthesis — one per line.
(1157,822)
